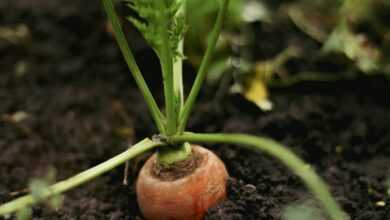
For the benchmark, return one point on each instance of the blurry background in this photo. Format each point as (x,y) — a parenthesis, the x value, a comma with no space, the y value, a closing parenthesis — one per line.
(265,43)
(280,43)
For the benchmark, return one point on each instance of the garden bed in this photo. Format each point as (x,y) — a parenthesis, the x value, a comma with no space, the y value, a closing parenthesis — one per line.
(80,107)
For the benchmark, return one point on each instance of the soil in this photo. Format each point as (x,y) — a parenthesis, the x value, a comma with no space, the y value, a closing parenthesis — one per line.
(67,101)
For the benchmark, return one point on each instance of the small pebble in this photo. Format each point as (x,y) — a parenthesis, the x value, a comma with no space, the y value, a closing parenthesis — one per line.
(249,188)
(381,203)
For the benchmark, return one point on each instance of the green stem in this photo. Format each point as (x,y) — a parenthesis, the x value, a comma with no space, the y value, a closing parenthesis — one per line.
(166,58)
(178,65)
(178,79)
(300,168)
(203,67)
(80,178)
(169,155)
(131,63)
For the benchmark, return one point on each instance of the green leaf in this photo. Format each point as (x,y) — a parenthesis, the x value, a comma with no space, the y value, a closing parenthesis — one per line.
(356,47)
(154,20)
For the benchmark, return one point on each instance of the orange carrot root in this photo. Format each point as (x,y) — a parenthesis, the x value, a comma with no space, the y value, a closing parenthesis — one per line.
(186,198)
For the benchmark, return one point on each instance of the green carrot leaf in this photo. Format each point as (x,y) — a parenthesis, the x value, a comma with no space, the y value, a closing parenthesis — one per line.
(153,19)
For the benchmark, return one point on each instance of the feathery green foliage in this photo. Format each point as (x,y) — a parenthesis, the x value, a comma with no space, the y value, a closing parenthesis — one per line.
(154,18)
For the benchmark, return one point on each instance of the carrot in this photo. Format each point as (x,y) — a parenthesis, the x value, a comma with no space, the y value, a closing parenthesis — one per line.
(184,198)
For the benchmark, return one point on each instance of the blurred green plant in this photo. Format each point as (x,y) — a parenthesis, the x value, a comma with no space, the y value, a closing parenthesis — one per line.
(354,28)
(39,188)
(303,210)
(17,34)
(353,35)
(201,22)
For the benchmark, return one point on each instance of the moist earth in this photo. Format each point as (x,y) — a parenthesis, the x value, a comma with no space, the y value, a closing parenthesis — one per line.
(67,101)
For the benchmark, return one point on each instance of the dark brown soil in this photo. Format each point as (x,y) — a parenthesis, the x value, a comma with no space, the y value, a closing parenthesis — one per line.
(82,107)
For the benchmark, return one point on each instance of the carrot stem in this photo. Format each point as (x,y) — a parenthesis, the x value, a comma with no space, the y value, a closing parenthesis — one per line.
(168,155)
(83,177)
(132,64)
(188,105)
